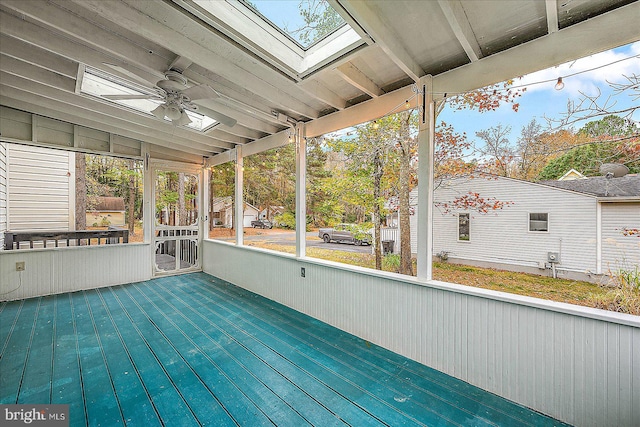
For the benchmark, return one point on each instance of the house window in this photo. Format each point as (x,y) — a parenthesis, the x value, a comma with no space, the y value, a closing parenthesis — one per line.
(463,227)
(539,222)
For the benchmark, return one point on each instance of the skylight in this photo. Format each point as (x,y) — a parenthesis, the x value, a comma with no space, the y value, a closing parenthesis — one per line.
(100,83)
(296,36)
(304,21)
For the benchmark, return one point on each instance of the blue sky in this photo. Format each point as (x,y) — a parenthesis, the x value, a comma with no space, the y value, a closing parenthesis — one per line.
(543,100)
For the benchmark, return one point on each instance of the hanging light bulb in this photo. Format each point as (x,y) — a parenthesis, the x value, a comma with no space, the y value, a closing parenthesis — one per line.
(407,104)
(376,125)
(291,137)
(560,84)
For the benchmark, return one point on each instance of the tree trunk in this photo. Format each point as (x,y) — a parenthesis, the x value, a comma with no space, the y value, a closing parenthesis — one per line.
(403,204)
(182,208)
(131,202)
(377,183)
(81,191)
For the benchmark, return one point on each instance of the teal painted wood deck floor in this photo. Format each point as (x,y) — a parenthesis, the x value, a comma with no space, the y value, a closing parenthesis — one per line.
(194,350)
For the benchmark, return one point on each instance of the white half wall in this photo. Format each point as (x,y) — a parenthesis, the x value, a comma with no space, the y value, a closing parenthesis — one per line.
(58,270)
(576,364)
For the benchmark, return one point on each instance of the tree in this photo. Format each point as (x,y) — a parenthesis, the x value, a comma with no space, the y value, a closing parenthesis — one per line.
(608,140)
(496,150)
(81,191)
(589,107)
(319,18)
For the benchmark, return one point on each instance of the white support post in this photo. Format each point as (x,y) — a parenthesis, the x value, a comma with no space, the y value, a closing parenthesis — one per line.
(204,202)
(426,150)
(239,202)
(148,214)
(301,191)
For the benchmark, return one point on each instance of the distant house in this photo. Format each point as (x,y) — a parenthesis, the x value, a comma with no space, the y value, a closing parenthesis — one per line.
(571,175)
(271,211)
(581,222)
(107,211)
(222,212)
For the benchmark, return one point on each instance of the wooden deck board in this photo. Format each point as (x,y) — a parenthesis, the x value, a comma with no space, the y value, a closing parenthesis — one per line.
(195,350)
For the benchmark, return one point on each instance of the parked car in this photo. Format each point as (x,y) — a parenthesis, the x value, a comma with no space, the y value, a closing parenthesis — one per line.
(261,223)
(345,233)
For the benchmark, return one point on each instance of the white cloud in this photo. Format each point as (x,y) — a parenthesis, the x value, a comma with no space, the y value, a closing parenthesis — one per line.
(587,81)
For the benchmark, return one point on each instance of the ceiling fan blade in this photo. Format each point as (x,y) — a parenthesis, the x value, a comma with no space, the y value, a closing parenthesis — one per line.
(119,97)
(132,75)
(199,92)
(219,117)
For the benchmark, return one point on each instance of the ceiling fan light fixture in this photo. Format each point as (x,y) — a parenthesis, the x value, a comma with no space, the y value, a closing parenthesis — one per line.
(173,112)
(159,111)
(183,120)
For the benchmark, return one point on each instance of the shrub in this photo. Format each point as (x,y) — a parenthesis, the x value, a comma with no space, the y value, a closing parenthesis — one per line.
(391,262)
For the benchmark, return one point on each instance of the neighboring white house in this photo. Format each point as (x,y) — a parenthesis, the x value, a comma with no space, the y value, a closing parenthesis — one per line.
(581,221)
(222,212)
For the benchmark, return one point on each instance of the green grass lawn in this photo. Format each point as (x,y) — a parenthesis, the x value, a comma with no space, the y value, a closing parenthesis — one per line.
(561,290)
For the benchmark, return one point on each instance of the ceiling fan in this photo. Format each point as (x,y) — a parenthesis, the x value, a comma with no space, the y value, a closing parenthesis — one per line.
(177,97)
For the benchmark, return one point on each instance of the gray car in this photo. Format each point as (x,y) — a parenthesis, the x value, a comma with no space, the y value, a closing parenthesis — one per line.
(345,233)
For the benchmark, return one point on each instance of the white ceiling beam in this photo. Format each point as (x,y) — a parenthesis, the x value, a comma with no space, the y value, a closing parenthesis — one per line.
(221,135)
(180,64)
(34,35)
(459,23)
(372,109)
(358,79)
(66,87)
(382,34)
(230,108)
(552,15)
(267,143)
(242,132)
(607,31)
(36,56)
(150,24)
(66,47)
(36,73)
(320,92)
(45,107)
(49,15)
(89,106)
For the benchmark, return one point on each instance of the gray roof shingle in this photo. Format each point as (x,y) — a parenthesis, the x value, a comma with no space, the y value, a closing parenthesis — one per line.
(626,186)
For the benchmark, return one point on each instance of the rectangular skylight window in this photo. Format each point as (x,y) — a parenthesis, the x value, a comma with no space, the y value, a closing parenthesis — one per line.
(99,83)
(304,21)
(296,36)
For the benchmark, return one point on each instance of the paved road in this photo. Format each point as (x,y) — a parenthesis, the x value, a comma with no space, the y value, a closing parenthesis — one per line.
(288,238)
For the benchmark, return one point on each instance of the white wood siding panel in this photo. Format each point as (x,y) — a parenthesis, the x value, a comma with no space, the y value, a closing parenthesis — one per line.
(53,271)
(577,364)
(40,188)
(3,192)
(619,251)
(503,235)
